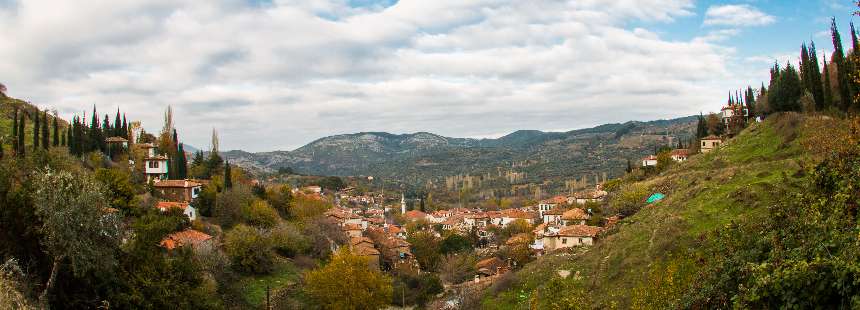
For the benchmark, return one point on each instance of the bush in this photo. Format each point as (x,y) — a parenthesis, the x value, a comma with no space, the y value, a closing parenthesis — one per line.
(229,205)
(628,200)
(249,249)
(411,288)
(303,208)
(260,214)
(321,232)
(279,197)
(456,268)
(347,283)
(289,240)
(118,185)
(455,243)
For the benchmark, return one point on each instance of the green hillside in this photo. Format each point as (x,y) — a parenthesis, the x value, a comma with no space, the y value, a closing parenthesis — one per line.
(711,242)
(7,107)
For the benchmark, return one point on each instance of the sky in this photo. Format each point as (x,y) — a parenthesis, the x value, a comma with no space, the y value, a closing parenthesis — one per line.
(276,74)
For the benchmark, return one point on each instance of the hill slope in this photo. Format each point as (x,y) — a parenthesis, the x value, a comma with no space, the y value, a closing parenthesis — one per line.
(680,252)
(421,157)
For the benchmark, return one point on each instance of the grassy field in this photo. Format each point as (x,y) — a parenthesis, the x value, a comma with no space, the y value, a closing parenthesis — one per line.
(254,287)
(704,194)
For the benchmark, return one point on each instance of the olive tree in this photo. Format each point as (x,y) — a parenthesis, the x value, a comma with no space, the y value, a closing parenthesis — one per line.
(77,225)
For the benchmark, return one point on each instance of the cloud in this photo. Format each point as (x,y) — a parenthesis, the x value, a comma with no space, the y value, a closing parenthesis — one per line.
(278,74)
(737,15)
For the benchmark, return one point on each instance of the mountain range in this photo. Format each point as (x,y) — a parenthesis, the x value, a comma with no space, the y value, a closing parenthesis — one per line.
(421,157)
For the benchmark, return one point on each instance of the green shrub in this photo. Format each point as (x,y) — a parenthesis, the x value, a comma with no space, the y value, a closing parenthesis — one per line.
(249,249)
(260,214)
(289,241)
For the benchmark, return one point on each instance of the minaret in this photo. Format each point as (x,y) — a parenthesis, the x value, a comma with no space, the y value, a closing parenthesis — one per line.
(403,203)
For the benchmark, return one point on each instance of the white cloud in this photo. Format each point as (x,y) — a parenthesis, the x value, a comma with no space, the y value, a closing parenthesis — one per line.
(279,75)
(737,15)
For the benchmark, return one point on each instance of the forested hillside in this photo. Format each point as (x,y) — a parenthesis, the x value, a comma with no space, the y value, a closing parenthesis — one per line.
(423,157)
(768,220)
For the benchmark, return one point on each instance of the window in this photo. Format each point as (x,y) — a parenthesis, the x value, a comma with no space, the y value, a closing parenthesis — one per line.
(153,164)
(563,240)
(703,143)
(580,240)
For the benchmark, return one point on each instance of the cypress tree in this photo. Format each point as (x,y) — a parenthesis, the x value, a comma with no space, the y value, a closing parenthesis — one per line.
(805,68)
(855,45)
(36,128)
(124,127)
(117,127)
(844,91)
(20,149)
(46,139)
(183,162)
(751,104)
(827,88)
(56,131)
(14,124)
(106,127)
(815,78)
(789,91)
(63,138)
(228,181)
(1,149)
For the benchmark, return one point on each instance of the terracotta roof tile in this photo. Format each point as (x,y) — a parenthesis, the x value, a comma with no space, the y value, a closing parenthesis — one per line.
(575,214)
(185,237)
(579,231)
(166,205)
(177,183)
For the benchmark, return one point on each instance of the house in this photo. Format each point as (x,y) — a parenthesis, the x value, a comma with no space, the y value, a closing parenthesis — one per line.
(575,216)
(415,215)
(491,266)
(680,155)
(312,189)
(186,208)
(122,142)
(155,165)
(649,161)
(189,237)
(596,195)
(570,236)
(396,252)
(178,190)
(352,230)
(510,215)
(553,216)
(710,143)
(545,205)
(476,220)
(363,246)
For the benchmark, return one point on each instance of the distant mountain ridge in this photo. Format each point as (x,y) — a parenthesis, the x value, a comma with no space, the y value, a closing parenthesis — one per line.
(422,156)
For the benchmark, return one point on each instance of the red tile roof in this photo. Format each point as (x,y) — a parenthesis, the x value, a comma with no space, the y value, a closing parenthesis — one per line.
(415,214)
(177,183)
(680,152)
(351,226)
(166,205)
(579,231)
(575,214)
(183,238)
(554,211)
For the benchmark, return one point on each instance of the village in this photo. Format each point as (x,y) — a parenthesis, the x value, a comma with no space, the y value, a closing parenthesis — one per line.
(378,226)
